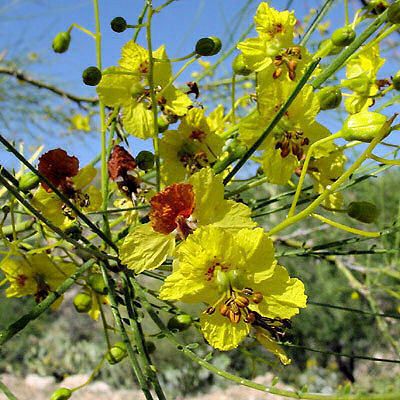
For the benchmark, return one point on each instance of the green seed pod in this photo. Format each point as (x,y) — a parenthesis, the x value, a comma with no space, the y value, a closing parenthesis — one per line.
(83,302)
(97,283)
(239,66)
(116,353)
(363,126)
(163,124)
(61,42)
(91,76)
(118,24)
(61,394)
(208,46)
(343,36)
(363,211)
(150,347)
(180,322)
(28,181)
(329,97)
(145,160)
(396,81)
(393,13)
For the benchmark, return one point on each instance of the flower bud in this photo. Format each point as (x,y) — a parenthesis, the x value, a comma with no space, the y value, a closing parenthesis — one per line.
(343,36)
(28,181)
(327,48)
(91,76)
(377,6)
(97,283)
(82,302)
(393,13)
(150,347)
(363,126)
(145,160)
(118,24)
(61,42)
(239,66)
(61,394)
(329,97)
(396,81)
(208,46)
(163,124)
(116,353)
(180,322)
(363,211)
(74,231)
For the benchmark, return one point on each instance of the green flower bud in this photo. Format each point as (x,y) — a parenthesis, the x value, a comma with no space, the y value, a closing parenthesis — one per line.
(208,46)
(150,347)
(343,36)
(74,230)
(61,42)
(396,81)
(163,124)
(180,322)
(327,48)
(329,97)
(97,283)
(118,24)
(91,76)
(116,353)
(61,394)
(28,181)
(363,211)
(239,66)
(363,126)
(393,13)
(82,302)
(145,160)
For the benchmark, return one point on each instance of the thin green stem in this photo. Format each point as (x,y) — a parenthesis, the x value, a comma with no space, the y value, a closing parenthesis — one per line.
(39,309)
(140,20)
(7,392)
(156,141)
(274,121)
(81,28)
(346,53)
(346,12)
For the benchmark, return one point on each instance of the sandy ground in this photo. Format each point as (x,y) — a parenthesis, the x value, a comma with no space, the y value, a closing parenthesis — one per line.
(35,387)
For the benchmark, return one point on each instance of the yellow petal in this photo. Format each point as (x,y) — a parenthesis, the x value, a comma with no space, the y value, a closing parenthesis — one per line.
(84,177)
(266,340)
(138,120)
(145,249)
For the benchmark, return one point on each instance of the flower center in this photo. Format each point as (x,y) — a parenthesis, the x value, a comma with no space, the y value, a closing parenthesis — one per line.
(289,59)
(171,209)
(192,159)
(292,142)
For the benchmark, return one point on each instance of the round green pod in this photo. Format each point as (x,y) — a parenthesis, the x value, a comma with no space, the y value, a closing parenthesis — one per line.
(145,160)
(239,66)
(396,81)
(363,126)
(91,76)
(363,211)
(61,42)
(116,353)
(329,97)
(82,302)
(28,181)
(208,46)
(61,394)
(180,322)
(118,24)
(343,36)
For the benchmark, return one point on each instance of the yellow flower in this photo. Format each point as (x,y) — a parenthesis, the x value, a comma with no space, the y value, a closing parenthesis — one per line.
(236,275)
(85,196)
(361,74)
(325,171)
(127,86)
(35,274)
(194,145)
(175,213)
(80,122)
(286,146)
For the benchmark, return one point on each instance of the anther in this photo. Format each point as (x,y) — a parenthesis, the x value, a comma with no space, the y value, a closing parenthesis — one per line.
(257,297)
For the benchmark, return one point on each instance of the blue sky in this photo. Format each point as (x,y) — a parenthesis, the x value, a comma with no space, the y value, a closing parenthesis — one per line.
(30,25)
